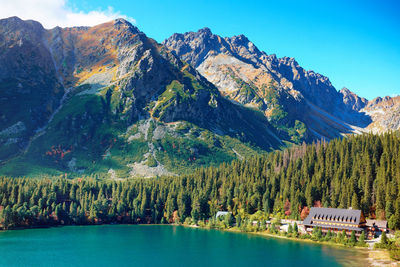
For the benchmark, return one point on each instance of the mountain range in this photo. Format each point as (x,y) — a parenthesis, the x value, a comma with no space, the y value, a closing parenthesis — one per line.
(109,101)
(287,94)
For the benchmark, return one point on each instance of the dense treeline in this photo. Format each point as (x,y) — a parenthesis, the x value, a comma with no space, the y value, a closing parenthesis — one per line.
(362,172)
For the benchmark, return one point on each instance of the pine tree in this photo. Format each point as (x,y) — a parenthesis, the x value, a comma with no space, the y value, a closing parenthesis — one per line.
(384,239)
(353,239)
(238,220)
(361,240)
(354,202)
(295,228)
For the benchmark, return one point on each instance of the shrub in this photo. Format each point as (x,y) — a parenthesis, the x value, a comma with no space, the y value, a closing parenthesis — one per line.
(317,234)
(295,228)
(395,253)
(384,239)
(188,221)
(361,240)
(290,229)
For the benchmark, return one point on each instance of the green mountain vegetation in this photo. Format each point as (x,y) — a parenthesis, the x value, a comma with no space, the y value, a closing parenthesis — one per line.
(90,135)
(362,172)
(107,100)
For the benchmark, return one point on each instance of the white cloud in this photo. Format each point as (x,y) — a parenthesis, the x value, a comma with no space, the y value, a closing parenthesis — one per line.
(53,13)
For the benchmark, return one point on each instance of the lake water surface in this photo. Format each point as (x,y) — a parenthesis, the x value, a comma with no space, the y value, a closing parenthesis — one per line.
(159,245)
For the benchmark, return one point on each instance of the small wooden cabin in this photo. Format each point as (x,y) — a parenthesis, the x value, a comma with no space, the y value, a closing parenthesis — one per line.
(376,227)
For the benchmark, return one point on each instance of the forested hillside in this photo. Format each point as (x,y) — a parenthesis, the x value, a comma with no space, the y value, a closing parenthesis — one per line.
(362,172)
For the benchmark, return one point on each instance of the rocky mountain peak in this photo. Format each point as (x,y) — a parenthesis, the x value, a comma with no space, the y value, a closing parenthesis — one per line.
(193,47)
(243,47)
(345,90)
(352,100)
(291,61)
(239,39)
(123,24)
(205,31)
(18,22)
(122,21)
(18,26)
(385,102)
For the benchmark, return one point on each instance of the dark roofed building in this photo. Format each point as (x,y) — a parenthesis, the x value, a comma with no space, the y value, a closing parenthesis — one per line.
(381,225)
(376,227)
(335,220)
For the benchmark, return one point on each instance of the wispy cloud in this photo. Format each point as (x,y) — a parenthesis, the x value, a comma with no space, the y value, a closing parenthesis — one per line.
(53,13)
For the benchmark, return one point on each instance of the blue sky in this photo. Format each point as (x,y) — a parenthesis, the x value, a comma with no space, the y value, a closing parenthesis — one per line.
(355,43)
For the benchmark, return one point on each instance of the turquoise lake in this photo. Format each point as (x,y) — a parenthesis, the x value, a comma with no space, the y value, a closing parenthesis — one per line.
(159,245)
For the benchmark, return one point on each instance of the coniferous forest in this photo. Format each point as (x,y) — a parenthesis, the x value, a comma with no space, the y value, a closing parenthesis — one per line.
(362,172)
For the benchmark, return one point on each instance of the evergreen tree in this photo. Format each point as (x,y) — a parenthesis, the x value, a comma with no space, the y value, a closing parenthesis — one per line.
(290,229)
(353,238)
(361,240)
(384,239)
(360,171)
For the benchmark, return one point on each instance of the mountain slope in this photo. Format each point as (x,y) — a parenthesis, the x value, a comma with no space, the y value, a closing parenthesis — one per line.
(29,87)
(286,93)
(385,114)
(124,105)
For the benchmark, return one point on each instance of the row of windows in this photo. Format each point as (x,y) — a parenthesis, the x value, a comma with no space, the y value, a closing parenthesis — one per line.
(337,218)
(335,224)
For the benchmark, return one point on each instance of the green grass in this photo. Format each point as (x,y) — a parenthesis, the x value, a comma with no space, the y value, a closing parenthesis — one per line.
(82,131)
(7,151)
(174,93)
(184,89)
(198,149)
(151,161)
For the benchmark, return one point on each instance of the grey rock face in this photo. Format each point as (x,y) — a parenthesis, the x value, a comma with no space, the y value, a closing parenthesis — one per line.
(196,47)
(385,114)
(353,101)
(235,63)
(29,85)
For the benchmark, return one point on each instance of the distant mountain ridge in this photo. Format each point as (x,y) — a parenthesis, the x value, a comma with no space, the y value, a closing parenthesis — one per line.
(244,73)
(385,114)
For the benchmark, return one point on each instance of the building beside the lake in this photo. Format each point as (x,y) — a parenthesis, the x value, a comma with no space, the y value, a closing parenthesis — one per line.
(222,213)
(376,227)
(335,220)
(380,226)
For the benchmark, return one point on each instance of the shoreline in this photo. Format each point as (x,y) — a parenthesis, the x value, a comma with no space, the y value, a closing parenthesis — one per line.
(376,257)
